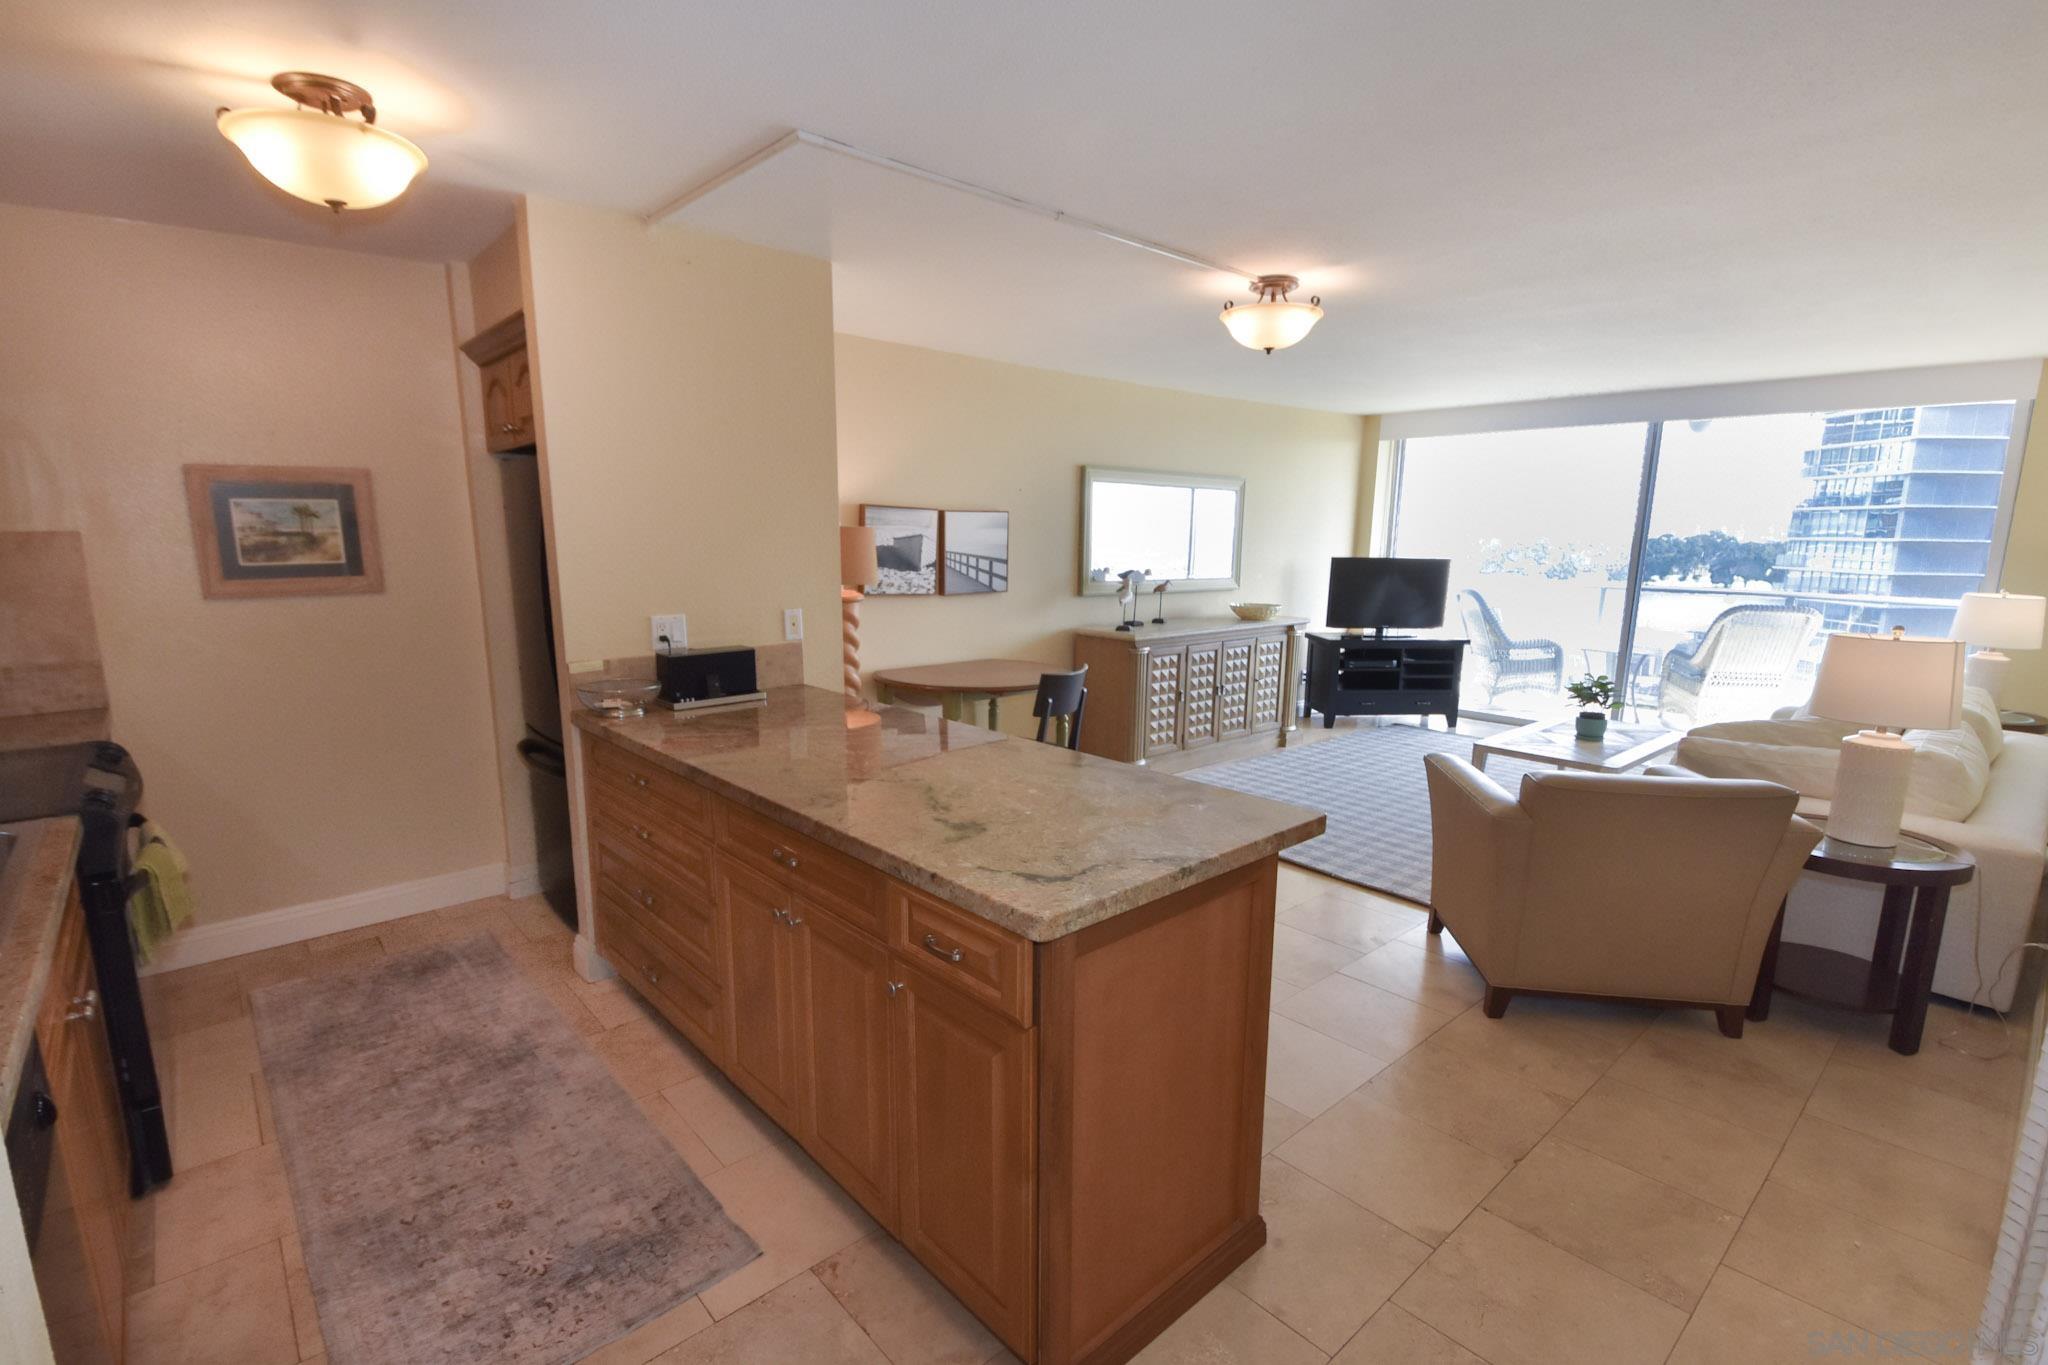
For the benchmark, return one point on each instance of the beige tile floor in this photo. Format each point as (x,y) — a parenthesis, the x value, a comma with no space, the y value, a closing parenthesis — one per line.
(1569,1183)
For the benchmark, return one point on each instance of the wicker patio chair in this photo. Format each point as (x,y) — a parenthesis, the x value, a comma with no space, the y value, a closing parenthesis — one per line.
(1505,664)
(1738,668)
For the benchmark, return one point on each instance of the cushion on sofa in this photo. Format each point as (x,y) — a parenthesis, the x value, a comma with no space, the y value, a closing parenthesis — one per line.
(1950,767)
(1980,713)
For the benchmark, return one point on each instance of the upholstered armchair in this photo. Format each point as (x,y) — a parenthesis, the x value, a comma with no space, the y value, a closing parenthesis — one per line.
(1505,664)
(1645,889)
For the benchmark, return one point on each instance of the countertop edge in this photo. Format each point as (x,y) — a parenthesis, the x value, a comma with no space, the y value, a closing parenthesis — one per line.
(37,886)
(1030,927)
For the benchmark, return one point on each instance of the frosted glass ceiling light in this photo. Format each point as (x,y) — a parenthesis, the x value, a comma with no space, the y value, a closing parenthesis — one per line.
(319,154)
(1273,322)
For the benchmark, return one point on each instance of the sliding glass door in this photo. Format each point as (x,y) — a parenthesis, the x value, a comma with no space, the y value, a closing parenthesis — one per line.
(1721,551)
(1537,526)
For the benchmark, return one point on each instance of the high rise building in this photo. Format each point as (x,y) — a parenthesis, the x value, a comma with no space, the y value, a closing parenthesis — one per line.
(1899,520)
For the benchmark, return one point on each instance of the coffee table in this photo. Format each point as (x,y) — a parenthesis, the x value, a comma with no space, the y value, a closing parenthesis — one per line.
(1898,976)
(1553,742)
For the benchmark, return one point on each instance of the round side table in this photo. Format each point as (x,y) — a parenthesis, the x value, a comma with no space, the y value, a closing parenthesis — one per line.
(1917,876)
(2023,722)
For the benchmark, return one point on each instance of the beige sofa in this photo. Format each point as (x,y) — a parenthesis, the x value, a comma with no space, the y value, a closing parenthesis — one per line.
(1975,788)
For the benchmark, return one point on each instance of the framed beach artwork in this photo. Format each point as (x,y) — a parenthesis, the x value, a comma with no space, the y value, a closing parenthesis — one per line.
(974,552)
(283,530)
(906,549)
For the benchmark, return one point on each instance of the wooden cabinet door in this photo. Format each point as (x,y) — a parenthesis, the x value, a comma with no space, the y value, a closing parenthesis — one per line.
(847,1008)
(966,1133)
(1269,681)
(501,425)
(1234,689)
(1198,709)
(522,394)
(1163,678)
(762,996)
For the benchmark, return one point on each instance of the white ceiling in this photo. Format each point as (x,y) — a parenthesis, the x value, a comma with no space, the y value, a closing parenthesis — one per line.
(1497,201)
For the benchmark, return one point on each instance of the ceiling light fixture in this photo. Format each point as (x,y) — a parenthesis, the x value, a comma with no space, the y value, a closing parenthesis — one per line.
(316,152)
(1273,322)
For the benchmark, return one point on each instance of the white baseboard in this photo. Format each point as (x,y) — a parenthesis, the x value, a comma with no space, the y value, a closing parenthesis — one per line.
(523,879)
(204,943)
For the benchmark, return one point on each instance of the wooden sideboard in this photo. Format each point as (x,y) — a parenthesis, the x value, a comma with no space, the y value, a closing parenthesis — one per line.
(1161,690)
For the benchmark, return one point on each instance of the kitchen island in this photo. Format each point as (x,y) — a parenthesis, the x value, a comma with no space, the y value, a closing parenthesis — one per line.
(1011,997)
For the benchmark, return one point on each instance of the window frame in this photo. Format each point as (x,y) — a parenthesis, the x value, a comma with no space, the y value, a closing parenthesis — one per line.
(1093,474)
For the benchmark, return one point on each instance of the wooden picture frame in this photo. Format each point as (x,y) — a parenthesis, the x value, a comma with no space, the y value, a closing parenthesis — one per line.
(906,549)
(974,551)
(283,530)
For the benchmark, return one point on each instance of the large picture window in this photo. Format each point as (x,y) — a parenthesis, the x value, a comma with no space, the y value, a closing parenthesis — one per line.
(1702,563)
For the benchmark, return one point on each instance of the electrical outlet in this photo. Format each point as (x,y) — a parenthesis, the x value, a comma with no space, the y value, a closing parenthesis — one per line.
(677,628)
(793,623)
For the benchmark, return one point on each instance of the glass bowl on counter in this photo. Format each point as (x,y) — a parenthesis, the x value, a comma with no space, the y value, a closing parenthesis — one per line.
(617,697)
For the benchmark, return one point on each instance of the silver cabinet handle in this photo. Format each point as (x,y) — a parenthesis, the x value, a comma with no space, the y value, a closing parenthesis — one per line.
(644,836)
(931,945)
(893,987)
(653,976)
(781,914)
(792,921)
(645,897)
(508,426)
(639,781)
(87,1006)
(783,856)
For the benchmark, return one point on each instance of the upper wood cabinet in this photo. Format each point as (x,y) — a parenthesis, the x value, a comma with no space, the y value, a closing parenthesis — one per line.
(500,354)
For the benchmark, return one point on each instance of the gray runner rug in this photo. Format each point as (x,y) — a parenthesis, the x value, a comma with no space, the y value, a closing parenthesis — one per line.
(471,1184)
(1371,787)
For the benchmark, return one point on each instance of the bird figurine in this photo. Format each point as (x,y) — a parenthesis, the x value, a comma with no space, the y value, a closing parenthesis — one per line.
(1127,599)
(1160,588)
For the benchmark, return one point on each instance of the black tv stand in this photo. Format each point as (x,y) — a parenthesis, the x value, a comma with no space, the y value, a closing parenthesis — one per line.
(1383,675)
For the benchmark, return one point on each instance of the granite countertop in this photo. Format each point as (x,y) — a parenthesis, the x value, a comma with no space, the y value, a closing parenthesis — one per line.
(1040,840)
(34,887)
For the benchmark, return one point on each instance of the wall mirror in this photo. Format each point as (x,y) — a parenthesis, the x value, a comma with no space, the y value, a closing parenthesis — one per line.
(1186,528)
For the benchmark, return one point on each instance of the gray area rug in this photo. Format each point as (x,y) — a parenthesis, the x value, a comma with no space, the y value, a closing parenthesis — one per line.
(471,1183)
(1371,787)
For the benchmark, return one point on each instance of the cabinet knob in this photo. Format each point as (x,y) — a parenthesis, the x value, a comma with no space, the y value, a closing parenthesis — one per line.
(792,921)
(643,834)
(646,898)
(893,988)
(653,976)
(931,945)
(639,781)
(508,426)
(781,914)
(84,1006)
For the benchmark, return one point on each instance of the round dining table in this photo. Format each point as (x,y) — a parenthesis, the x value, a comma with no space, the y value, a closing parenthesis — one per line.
(957,686)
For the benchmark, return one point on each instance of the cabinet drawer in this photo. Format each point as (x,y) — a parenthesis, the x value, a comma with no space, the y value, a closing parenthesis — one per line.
(846,886)
(614,772)
(686,997)
(678,912)
(641,835)
(988,963)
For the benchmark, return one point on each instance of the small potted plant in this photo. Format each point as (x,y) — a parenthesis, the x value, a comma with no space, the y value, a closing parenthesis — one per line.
(1595,695)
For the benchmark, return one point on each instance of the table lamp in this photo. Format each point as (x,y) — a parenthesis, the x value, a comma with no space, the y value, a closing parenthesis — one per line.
(1892,683)
(858,571)
(1995,622)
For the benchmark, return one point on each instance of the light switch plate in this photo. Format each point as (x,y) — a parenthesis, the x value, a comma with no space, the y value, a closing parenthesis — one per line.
(793,623)
(676,627)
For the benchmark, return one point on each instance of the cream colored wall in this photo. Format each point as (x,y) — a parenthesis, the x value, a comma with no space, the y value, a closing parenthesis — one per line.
(684,383)
(929,429)
(2026,557)
(297,748)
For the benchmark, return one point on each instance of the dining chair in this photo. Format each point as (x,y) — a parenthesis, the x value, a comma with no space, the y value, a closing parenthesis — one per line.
(1061,695)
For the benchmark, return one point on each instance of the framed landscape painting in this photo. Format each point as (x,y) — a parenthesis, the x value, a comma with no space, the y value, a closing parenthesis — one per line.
(283,530)
(975,549)
(906,548)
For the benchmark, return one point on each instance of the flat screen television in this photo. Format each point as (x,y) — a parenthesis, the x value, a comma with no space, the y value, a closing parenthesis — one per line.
(1379,594)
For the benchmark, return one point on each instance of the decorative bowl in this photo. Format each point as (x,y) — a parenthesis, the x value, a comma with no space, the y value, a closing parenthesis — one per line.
(1255,611)
(617,696)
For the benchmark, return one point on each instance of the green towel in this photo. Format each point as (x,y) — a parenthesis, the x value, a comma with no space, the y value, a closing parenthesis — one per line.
(158,900)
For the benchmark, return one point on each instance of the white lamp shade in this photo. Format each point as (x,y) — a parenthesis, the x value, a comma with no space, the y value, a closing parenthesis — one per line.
(1271,324)
(321,158)
(1898,683)
(2000,620)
